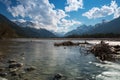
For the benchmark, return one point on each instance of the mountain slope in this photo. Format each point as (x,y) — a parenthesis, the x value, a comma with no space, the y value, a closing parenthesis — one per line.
(9,29)
(83,29)
(27,27)
(109,27)
(106,29)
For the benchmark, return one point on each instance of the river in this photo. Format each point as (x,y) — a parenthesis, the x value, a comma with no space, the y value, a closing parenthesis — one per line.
(71,61)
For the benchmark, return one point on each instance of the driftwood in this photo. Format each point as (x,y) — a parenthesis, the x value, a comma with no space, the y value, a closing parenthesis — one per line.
(69,43)
(104,51)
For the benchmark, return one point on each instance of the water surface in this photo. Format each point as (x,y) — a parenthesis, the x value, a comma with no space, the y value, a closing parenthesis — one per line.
(73,62)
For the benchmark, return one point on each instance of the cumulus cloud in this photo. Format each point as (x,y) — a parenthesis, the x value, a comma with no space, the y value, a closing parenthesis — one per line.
(74,5)
(104,11)
(40,12)
(67,25)
(18,10)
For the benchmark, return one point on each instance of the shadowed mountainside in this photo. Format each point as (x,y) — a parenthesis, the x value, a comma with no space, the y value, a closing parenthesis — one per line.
(9,29)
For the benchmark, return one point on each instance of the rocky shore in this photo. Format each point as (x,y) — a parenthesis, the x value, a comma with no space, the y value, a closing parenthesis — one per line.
(14,69)
(106,52)
(103,50)
(69,43)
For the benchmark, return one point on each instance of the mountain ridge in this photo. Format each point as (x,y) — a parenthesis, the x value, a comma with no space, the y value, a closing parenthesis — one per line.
(9,29)
(112,27)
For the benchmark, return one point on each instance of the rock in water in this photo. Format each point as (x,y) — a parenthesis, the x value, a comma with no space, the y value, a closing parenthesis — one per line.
(15,65)
(2,69)
(30,68)
(12,61)
(3,74)
(58,76)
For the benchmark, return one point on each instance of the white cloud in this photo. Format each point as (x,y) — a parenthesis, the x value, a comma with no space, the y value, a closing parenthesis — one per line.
(18,10)
(104,11)
(67,25)
(74,5)
(42,13)
(21,20)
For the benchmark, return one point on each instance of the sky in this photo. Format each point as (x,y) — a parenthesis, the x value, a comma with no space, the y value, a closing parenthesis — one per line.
(60,15)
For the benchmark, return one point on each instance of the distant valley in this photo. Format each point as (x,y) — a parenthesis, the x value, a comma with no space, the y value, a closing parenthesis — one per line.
(9,29)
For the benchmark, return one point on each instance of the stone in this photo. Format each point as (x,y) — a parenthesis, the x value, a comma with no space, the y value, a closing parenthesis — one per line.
(30,68)
(57,76)
(15,65)
(2,69)
(11,61)
(13,73)
(3,74)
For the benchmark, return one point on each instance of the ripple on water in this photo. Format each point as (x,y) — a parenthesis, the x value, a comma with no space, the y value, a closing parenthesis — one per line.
(112,71)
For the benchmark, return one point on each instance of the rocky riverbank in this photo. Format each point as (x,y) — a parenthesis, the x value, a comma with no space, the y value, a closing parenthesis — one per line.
(106,52)
(69,43)
(103,50)
(14,69)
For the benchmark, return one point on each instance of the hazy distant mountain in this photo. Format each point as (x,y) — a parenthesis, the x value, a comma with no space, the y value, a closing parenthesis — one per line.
(9,29)
(83,29)
(109,27)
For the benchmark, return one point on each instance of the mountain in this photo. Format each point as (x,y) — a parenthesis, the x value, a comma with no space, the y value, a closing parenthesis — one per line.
(104,29)
(9,29)
(112,26)
(30,31)
(83,29)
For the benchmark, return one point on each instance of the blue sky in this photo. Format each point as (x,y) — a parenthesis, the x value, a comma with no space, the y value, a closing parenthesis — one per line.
(60,15)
